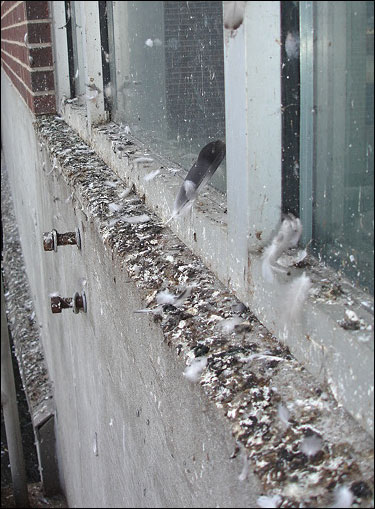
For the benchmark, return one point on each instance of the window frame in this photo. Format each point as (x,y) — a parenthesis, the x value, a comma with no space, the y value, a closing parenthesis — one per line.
(230,244)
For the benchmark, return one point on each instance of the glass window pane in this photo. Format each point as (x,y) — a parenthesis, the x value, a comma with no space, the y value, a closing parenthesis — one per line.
(343,120)
(168,76)
(78,58)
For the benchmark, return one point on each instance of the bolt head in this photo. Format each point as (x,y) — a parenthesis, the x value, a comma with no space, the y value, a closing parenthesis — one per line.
(48,241)
(55,304)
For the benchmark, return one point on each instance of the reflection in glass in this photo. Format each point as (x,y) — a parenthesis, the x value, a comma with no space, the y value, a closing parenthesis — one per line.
(342,117)
(167,72)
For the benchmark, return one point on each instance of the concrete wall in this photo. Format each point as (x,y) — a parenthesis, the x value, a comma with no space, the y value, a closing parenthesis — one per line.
(131,430)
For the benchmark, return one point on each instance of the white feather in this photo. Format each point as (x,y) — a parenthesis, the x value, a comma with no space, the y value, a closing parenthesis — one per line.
(142,160)
(233,14)
(110,184)
(165,297)
(155,311)
(245,468)
(115,207)
(143,218)
(193,372)
(93,95)
(125,192)
(151,175)
(343,497)
(311,445)
(288,236)
(296,295)
(283,414)
(292,45)
(269,502)
(229,324)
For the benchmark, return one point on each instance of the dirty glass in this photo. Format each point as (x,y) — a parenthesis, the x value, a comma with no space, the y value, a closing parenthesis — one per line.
(167,75)
(77,42)
(342,120)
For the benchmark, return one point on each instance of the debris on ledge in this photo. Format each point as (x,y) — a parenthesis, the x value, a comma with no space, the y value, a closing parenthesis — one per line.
(292,434)
(21,315)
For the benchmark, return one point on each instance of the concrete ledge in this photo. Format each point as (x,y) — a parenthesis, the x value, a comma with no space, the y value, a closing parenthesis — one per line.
(339,356)
(25,333)
(251,388)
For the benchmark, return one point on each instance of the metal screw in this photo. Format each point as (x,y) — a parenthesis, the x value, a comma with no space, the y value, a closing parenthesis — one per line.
(77,303)
(53,239)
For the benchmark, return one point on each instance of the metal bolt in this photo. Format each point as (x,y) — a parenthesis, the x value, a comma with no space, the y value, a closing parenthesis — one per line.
(53,239)
(77,303)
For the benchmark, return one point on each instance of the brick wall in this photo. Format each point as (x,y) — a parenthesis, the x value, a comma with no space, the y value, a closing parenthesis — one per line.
(26,53)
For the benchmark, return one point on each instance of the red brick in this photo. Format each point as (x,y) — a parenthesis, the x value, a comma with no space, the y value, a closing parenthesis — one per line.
(17,51)
(39,32)
(14,33)
(42,80)
(41,57)
(36,10)
(17,83)
(19,13)
(44,104)
(15,66)
(11,16)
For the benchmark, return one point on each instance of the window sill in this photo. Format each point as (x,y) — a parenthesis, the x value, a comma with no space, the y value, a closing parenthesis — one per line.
(338,357)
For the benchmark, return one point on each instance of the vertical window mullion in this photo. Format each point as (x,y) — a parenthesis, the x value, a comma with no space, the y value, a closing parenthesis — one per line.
(307,118)
(253,127)
(93,62)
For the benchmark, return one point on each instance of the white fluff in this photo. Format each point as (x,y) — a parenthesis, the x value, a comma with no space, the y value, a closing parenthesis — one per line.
(233,14)
(143,218)
(193,372)
(142,160)
(311,445)
(229,324)
(283,414)
(125,192)
(287,237)
(253,356)
(92,95)
(155,311)
(110,184)
(343,497)
(292,45)
(115,207)
(149,43)
(108,91)
(245,468)
(296,294)
(165,297)
(151,175)
(273,501)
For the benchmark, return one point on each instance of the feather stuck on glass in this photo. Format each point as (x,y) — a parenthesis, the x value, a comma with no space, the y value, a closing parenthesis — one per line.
(233,14)
(287,237)
(199,174)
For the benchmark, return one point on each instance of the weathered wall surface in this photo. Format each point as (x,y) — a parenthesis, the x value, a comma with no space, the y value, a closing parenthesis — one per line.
(131,430)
